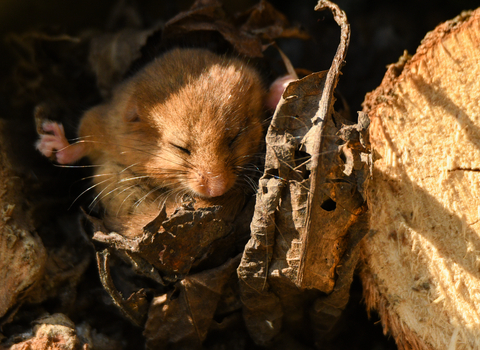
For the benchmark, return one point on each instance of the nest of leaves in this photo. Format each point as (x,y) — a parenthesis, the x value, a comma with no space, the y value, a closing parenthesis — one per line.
(277,276)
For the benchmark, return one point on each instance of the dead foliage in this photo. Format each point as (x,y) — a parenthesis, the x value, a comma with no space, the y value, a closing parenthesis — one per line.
(194,277)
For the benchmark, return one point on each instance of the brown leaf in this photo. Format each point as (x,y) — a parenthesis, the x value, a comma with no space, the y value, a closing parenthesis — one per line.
(246,32)
(263,19)
(306,203)
(208,16)
(182,241)
(135,307)
(168,250)
(182,317)
(325,229)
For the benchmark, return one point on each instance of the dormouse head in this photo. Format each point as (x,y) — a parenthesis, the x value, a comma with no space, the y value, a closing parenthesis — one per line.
(199,126)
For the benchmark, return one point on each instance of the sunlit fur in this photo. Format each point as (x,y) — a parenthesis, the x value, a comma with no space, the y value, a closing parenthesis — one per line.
(188,123)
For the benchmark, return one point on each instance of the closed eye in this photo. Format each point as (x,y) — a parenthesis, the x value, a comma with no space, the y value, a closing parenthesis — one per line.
(182,149)
(234,140)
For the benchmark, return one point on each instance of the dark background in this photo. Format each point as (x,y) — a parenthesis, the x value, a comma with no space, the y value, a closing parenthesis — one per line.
(380,32)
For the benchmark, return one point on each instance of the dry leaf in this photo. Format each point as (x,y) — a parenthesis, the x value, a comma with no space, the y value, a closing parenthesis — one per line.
(306,203)
(314,175)
(176,244)
(182,317)
(168,250)
(271,24)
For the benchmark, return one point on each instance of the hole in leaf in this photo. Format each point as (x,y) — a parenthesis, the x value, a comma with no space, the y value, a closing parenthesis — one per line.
(175,294)
(329,205)
(301,160)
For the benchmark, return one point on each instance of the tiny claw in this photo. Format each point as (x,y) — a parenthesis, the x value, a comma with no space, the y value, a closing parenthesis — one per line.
(53,128)
(54,145)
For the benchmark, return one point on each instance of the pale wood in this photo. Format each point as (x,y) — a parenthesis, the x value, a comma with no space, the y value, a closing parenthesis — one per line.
(421,260)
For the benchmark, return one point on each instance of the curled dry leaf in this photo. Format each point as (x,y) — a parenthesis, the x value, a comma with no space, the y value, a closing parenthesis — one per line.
(271,24)
(176,244)
(307,202)
(182,317)
(209,17)
(135,307)
(167,251)
(246,33)
(420,262)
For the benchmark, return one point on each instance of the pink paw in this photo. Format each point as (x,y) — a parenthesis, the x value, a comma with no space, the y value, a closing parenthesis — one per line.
(276,91)
(54,145)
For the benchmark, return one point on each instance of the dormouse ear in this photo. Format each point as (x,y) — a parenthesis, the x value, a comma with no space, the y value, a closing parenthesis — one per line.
(276,90)
(131,112)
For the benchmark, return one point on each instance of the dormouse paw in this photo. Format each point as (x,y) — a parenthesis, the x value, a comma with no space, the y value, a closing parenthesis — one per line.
(276,91)
(54,145)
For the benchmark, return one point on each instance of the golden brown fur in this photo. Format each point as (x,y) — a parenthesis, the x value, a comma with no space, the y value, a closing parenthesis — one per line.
(188,123)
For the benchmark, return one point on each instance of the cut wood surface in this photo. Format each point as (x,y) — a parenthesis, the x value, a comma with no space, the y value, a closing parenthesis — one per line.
(421,258)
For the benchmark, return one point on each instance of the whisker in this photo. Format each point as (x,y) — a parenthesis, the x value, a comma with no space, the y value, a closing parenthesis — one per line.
(128,167)
(123,188)
(247,169)
(164,195)
(92,177)
(96,199)
(99,199)
(250,183)
(76,166)
(88,189)
(124,200)
(140,200)
(134,178)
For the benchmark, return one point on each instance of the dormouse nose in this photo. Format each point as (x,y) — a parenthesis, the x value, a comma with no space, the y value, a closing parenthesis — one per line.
(213,184)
